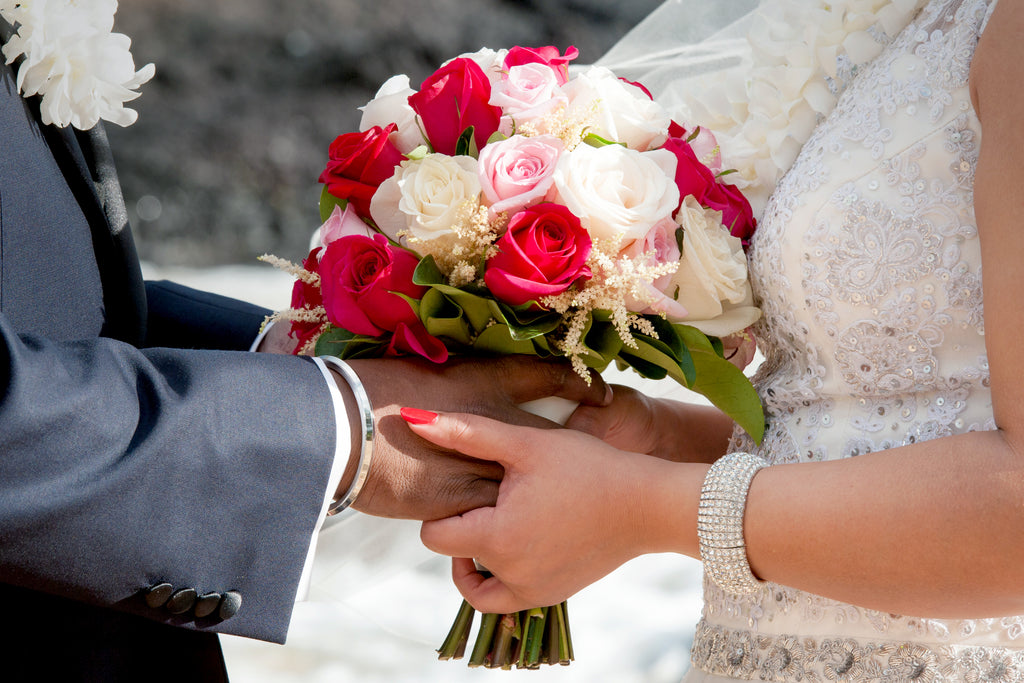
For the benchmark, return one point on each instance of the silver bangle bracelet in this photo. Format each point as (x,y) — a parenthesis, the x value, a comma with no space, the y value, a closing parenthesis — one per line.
(366,450)
(723,499)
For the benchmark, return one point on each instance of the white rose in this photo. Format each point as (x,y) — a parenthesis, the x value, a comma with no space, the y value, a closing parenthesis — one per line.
(618,193)
(712,277)
(426,196)
(491,61)
(624,112)
(391,105)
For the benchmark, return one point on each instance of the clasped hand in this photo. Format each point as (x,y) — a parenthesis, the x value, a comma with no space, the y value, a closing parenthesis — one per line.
(413,478)
(570,509)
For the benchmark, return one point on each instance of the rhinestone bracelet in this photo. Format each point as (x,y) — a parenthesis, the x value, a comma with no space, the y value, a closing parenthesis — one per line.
(723,499)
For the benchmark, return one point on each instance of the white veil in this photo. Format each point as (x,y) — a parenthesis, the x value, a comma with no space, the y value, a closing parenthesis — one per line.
(684,40)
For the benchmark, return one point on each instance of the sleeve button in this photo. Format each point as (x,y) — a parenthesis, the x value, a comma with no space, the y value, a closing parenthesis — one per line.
(207,605)
(230,603)
(158,595)
(182,601)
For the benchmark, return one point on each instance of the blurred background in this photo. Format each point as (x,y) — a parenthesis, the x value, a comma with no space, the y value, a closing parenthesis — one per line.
(222,166)
(233,131)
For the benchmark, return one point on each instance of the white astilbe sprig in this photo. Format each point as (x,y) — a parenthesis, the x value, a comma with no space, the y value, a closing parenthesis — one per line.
(615,280)
(468,243)
(310,315)
(72,58)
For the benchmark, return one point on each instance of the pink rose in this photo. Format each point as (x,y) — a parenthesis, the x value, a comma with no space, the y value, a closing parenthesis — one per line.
(695,179)
(358,163)
(452,99)
(659,246)
(342,224)
(548,56)
(703,143)
(543,252)
(361,280)
(518,172)
(529,92)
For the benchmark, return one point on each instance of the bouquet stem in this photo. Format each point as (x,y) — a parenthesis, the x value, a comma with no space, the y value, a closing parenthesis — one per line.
(454,646)
(524,639)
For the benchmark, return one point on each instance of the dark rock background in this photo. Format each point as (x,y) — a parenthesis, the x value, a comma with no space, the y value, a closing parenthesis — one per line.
(233,130)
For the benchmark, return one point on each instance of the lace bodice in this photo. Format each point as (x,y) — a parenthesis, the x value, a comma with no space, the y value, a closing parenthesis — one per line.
(867,266)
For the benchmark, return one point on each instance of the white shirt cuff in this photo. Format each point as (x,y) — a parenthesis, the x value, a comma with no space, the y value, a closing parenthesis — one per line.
(341,455)
(342,442)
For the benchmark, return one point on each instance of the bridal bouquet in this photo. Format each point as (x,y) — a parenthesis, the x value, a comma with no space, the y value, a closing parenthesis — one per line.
(506,208)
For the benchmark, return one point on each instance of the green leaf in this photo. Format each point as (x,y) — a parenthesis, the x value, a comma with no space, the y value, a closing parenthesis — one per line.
(655,352)
(723,383)
(476,308)
(466,144)
(679,239)
(427,273)
(327,203)
(443,318)
(339,342)
(525,322)
(595,140)
(419,153)
(496,136)
(643,367)
(602,343)
(498,339)
(694,134)
(727,172)
(691,358)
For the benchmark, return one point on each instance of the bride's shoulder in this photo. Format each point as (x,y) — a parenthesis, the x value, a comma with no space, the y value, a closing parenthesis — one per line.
(997,61)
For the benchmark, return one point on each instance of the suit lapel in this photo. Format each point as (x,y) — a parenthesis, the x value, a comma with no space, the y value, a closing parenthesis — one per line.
(85,161)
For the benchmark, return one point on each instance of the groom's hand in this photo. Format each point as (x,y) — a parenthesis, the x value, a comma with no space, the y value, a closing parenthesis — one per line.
(414,479)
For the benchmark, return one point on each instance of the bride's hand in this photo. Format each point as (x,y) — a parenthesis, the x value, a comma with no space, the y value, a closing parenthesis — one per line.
(629,422)
(667,429)
(570,509)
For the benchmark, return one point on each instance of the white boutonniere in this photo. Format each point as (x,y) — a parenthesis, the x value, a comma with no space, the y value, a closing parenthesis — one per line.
(73,59)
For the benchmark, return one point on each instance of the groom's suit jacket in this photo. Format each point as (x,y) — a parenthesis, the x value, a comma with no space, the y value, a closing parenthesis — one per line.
(129,459)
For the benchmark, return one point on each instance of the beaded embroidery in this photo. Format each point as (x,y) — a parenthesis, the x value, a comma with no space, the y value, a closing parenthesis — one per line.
(868,270)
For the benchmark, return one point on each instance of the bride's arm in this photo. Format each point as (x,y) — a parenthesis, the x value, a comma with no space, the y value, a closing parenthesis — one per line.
(935,528)
(931,529)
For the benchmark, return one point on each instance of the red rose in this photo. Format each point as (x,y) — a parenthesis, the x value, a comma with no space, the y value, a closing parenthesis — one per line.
(359,163)
(696,179)
(549,56)
(543,252)
(306,296)
(736,212)
(451,100)
(361,279)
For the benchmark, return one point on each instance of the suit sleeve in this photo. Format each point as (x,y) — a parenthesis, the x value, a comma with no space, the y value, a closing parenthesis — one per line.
(121,468)
(185,318)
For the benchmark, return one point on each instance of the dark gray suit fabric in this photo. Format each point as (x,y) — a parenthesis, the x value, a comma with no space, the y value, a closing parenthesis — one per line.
(122,466)
(185,318)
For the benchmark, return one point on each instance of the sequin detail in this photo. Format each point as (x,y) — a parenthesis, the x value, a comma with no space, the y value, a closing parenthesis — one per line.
(746,656)
(867,266)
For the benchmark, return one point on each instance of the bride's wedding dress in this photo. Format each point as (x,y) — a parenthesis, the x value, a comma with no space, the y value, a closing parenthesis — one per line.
(868,268)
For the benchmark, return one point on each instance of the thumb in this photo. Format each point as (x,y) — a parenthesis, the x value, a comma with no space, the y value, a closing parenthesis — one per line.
(472,435)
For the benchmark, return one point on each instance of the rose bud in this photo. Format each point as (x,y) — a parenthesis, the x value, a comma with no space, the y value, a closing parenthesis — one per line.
(453,98)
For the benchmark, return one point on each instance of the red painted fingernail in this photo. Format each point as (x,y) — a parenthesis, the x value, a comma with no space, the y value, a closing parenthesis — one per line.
(418,417)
